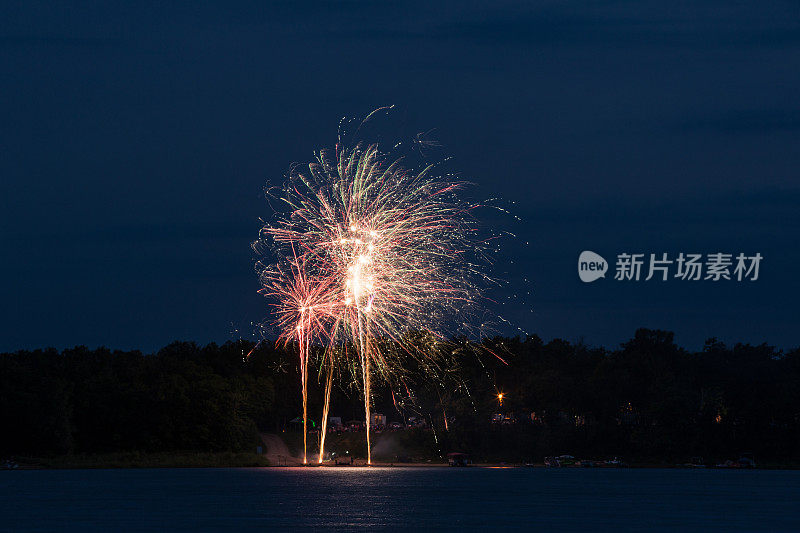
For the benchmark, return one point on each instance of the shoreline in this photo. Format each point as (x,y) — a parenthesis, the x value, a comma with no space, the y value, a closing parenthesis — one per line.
(137,460)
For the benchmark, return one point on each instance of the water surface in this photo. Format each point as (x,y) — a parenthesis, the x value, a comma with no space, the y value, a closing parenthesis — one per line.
(262,499)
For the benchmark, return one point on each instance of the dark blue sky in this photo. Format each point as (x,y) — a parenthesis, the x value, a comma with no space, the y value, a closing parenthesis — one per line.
(136,142)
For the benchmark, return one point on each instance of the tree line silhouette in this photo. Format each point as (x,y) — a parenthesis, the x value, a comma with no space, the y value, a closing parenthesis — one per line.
(648,400)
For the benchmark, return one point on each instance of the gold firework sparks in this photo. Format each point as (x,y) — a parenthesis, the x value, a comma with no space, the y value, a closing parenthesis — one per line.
(373,259)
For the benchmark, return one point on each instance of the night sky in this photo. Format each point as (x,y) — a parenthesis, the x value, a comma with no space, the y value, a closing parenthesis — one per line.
(136,142)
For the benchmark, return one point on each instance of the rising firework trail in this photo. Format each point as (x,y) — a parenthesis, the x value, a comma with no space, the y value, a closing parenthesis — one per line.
(326,404)
(374,258)
(302,305)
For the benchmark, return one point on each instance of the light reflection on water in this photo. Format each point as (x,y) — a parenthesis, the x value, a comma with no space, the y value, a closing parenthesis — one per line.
(260,499)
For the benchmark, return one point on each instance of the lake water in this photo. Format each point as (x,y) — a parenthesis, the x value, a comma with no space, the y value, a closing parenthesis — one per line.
(261,499)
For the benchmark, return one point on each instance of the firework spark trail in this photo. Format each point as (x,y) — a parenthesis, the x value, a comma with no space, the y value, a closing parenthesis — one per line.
(303,343)
(303,303)
(369,253)
(326,405)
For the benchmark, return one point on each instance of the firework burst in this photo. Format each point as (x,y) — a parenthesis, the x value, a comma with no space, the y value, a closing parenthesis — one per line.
(378,261)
